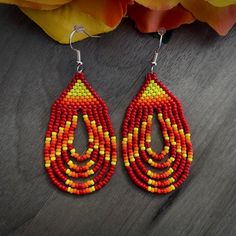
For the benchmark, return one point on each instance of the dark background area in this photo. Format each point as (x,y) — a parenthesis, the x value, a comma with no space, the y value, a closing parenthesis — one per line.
(196,64)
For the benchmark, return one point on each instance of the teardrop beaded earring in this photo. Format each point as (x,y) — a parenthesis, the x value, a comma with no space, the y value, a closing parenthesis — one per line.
(62,161)
(137,152)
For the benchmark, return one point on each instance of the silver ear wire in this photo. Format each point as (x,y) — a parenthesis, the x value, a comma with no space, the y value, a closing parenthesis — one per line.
(79,29)
(161,32)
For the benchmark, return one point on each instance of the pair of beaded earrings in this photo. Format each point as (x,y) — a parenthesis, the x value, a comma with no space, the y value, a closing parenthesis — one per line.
(64,165)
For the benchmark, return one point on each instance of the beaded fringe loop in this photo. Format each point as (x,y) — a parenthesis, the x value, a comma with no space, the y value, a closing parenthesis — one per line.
(63,164)
(174,161)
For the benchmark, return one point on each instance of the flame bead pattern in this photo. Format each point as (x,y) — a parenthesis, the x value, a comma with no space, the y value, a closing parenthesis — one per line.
(173,162)
(63,163)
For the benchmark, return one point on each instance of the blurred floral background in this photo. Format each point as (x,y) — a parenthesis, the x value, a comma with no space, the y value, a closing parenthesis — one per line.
(57,17)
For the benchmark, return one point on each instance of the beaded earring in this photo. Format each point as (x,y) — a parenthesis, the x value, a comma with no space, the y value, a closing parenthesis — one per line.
(62,161)
(174,161)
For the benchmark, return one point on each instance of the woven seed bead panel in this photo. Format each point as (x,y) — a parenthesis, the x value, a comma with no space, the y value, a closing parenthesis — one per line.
(67,169)
(173,162)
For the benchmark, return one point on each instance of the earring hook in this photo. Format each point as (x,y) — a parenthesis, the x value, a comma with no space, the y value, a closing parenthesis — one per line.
(161,33)
(79,29)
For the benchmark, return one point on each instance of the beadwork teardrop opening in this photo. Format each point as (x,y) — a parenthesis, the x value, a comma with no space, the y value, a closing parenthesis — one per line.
(81,138)
(97,164)
(156,141)
(173,161)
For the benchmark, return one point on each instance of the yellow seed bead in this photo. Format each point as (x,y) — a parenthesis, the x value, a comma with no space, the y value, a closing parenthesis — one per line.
(160,115)
(171,170)
(174,126)
(127,164)
(99,128)
(144,123)
(95,146)
(90,150)
(93,189)
(167,120)
(113,138)
(101,152)
(93,122)
(58,153)
(190,159)
(181,131)
(85,116)
(173,143)
(72,151)
(91,162)
(178,150)
(64,148)
(166,138)
(149,188)
(149,150)
(67,182)
(172,187)
(142,148)
(67,171)
(171,179)
(166,148)
(149,181)
(75,117)
(70,141)
(53,158)
(54,134)
(113,162)
(47,165)
(150,161)
(69,189)
(107,158)
(184,155)
(132,159)
(172,159)
(61,129)
(70,163)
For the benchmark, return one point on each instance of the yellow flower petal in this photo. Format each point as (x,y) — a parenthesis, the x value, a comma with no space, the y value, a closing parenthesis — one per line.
(221,3)
(221,19)
(109,11)
(158,4)
(37,4)
(59,23)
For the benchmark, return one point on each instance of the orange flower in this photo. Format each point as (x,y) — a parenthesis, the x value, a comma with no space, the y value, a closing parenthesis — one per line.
(150,15)
(57,17)
(148,20)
